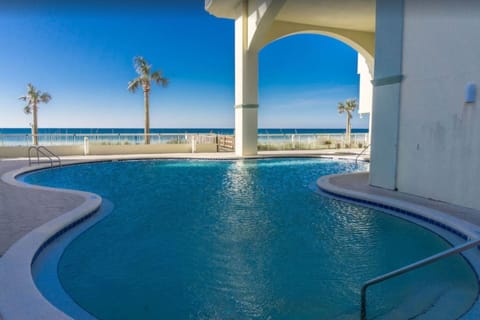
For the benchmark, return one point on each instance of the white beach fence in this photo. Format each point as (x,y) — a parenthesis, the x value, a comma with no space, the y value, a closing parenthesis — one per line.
(15,145)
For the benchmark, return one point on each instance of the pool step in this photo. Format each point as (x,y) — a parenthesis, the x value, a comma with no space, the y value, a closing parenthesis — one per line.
(410,308)
(452,300)
(430,304)
(414,306)
(433,302)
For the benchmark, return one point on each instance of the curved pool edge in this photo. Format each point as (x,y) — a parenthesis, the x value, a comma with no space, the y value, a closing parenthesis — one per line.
(20,298)
(411,212)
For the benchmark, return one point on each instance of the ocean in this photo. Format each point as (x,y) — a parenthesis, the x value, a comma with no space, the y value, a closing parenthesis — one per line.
(69,136)
(171,130)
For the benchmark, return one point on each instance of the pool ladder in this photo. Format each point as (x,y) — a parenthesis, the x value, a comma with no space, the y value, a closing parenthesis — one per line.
(460,248)
(41,150)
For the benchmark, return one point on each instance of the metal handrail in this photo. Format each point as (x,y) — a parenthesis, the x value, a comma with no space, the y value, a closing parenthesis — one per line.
(358,155)
(410,267)
(52,154)
(30,155)
(46,153)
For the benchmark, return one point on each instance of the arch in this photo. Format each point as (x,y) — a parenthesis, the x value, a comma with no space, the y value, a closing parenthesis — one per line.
(361,41)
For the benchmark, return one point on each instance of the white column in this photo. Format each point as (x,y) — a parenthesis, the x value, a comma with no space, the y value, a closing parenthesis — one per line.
(365,91)
(386,93)
(246,89)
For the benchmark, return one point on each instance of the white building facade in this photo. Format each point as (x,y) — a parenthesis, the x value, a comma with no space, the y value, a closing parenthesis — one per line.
(426,135)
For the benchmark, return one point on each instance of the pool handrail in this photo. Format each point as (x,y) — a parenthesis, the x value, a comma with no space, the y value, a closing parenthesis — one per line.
(358,155)
(465,246)
(46,153)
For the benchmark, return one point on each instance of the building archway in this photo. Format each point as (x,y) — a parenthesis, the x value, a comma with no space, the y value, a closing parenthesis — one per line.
(260,22)
(303,76)
(361,42)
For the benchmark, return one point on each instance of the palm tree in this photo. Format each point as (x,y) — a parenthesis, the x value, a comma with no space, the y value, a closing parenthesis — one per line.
(145,79)
(33,98)
(348,107)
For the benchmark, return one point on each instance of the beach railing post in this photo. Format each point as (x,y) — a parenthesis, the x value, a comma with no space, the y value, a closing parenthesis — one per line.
(194,146)
(86,146)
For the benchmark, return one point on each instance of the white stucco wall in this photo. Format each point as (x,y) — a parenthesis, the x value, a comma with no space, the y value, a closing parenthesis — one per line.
(20,152)
(365,86)
(439,136)
(99,149)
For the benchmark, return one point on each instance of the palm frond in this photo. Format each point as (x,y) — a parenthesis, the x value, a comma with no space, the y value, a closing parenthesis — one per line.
(351,105)
(45,97)
(141,66)
(134,84)
(30,89)
(341,107)
(32,93)
(33,98)
(145,78)
(157,77)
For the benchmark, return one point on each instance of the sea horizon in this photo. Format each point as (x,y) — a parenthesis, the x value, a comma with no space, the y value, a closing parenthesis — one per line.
(176,130)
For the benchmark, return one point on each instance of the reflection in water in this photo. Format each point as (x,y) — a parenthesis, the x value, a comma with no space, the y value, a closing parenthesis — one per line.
(240,257)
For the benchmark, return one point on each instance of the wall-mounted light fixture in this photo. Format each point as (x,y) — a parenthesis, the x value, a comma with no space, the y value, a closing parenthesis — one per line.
(470,93)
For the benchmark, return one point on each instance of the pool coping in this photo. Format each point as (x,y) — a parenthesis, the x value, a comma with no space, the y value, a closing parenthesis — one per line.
(16,263)
(411,212)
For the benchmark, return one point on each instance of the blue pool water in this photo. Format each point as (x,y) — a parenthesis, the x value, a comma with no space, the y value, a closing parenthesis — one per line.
(246,240)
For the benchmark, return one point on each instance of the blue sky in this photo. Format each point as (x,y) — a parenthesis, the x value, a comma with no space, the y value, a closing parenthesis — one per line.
(82,55)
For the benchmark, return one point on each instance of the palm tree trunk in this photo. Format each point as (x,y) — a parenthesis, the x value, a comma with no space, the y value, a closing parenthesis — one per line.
(349,139)
(347,131)
(35,126)
(147,117)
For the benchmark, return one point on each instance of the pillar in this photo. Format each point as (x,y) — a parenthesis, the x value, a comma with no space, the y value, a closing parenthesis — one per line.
(386,93)
(246,89)
(365,71)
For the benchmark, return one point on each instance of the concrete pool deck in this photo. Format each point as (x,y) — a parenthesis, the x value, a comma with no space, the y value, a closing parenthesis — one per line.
(358,183)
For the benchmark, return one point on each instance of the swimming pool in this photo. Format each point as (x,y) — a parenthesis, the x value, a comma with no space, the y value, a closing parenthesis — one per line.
(245,240)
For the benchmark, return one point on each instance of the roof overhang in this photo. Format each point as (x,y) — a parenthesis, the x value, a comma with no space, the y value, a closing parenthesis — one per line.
(223,8)
(357,15)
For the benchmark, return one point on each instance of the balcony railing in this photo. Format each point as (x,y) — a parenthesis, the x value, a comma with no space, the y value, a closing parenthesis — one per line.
(304,141)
